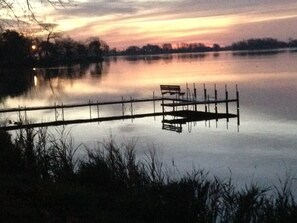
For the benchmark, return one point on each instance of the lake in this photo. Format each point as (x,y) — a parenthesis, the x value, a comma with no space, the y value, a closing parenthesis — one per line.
(262,149)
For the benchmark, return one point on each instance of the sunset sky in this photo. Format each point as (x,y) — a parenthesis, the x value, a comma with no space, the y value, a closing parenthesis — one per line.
(136,22)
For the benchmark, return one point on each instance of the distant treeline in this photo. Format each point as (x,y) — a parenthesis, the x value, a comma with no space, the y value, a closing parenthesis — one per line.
(17,49)
(250,44)
(262,44)
(166,49)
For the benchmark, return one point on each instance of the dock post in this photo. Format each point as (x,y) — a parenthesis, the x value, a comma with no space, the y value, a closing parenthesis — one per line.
(205,97)
(237,105)
(187,90)
(227,103)
(26,116)
(189,96)
(216,98)
(55,111)
(154,102)
(123,106)
(62,111)
(20,118)
(208,105)
(237,98)
(90,109)
(131,107)
(195,97)
(98,109)
(162,104)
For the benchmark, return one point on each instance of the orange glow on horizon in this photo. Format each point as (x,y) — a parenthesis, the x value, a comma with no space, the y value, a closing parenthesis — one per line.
(198,30)
(131,23)
(159,31)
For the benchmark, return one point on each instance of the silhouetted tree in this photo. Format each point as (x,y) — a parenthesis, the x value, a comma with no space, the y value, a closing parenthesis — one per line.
(82,50)
(151,49)
(216,47)
(113,52)
(167,47)
(104,47)
(292,43)
(95,49)
(50,29)
(258,44)
(14,48)
(132,50)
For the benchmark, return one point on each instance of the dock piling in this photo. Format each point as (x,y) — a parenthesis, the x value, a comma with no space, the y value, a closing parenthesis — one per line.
(237,105)
(25,115)
(98,109)
(205,92)
(208,104)
(154,102)
(62,107)
(187,91)
(55,110)
(123,106)
(131,104)
(195,97)
(227,102)
(90,109)
(205,96)
(20,118)
(216,98)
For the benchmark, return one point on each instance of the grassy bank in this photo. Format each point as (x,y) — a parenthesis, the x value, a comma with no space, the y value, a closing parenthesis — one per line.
(42,180)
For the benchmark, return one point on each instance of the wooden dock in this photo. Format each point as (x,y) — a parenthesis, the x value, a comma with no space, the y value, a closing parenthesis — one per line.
(183,105)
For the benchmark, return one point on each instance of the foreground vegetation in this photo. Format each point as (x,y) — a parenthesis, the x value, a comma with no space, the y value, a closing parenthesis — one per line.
(43,180)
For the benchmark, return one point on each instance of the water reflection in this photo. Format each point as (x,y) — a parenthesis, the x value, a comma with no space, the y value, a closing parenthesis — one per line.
(264,147)
(176,122)
(73,72)
(51,83)
(169,57)
(177,108)
(15,82)
(195,56)
(257,53)
(149,58)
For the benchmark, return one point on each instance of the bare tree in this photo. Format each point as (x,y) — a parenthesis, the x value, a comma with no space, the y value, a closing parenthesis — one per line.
(20,9)
(50,30)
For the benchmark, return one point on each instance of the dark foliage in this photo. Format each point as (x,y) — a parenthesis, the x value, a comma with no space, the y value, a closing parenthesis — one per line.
(259,44)
(15,49)
(18,50)
(151,49)
(42,181)
(15,81)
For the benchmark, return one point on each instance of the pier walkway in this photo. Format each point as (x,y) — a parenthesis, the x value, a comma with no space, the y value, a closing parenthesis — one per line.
(183,108)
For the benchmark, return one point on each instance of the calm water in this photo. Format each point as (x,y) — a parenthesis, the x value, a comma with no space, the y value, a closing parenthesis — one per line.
(264,148)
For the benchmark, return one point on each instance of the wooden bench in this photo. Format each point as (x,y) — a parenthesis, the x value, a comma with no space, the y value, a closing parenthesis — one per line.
(171,89)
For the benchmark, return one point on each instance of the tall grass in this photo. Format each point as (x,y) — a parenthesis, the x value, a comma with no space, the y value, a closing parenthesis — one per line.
(42,180)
